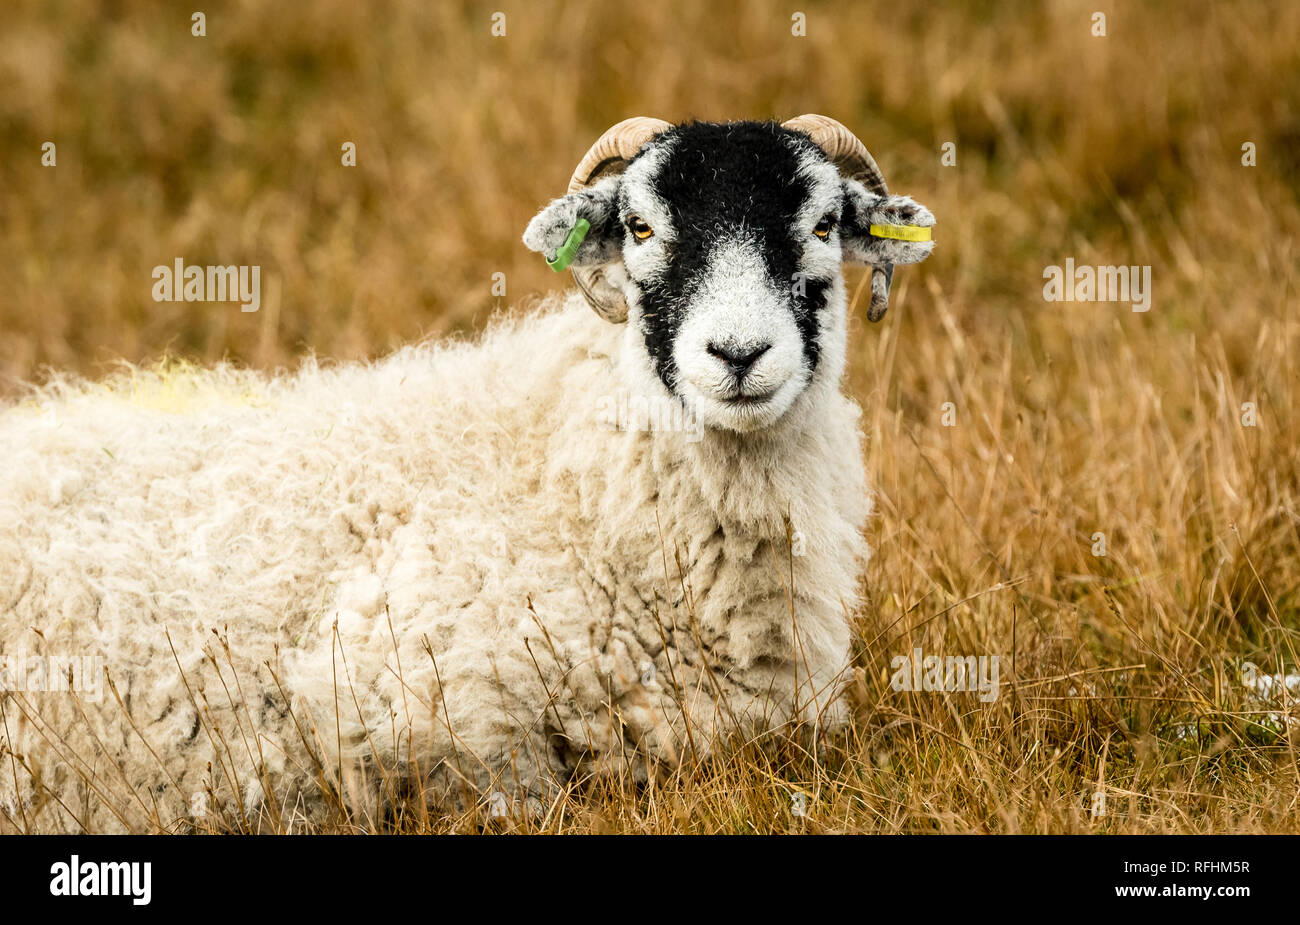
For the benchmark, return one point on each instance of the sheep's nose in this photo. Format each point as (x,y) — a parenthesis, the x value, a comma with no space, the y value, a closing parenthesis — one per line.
(738,360)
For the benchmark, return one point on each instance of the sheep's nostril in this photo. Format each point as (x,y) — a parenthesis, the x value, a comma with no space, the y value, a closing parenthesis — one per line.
(739,360)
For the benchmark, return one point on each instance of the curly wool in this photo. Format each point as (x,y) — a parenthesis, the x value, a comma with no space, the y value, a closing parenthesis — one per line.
(444,563)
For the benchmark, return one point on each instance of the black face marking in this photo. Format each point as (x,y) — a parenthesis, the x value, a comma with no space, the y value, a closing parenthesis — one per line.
(716,180)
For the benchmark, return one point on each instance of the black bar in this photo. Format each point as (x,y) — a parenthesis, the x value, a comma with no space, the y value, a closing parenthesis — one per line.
(946,875)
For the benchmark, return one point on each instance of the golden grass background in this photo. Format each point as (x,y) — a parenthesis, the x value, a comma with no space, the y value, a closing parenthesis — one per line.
(1120,674)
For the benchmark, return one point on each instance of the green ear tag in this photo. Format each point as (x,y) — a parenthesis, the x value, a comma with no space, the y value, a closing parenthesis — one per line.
(564,256)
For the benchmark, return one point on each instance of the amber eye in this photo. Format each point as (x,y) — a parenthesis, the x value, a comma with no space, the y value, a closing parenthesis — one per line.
(823,229)
(639,228)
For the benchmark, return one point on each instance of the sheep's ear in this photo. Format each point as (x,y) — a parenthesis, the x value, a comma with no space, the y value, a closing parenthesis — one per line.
(883,230)
(553,229)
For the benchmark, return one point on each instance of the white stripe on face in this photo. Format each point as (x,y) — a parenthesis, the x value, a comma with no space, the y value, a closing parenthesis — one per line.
(738,310)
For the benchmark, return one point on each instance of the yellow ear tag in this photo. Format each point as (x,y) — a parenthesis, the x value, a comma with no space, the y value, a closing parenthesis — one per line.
(902,232)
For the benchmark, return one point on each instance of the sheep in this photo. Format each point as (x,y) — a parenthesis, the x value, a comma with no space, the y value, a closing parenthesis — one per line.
(463,564)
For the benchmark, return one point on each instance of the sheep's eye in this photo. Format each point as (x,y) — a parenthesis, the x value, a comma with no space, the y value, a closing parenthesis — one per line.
(639,228)
(823,228)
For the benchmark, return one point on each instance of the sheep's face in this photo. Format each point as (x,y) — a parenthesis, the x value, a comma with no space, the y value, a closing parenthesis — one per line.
(727,241)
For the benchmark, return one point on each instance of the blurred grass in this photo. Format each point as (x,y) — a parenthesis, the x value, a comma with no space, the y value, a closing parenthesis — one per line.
(1072,417)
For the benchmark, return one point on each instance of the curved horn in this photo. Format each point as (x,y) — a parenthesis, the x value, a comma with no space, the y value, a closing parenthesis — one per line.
(608,156)
(847,152)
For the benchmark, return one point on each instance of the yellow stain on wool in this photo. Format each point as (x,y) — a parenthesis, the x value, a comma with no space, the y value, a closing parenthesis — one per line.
(178,387)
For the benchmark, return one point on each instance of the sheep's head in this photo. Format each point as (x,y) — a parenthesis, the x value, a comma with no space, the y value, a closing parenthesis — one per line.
(722,244)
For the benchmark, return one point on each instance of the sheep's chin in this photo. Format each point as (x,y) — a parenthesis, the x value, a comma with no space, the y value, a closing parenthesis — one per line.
(740,417)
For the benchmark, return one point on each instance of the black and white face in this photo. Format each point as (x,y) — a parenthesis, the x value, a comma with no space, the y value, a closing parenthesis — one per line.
(727,241)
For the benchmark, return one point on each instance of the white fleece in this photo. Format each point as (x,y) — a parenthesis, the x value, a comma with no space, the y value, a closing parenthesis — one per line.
(497,560)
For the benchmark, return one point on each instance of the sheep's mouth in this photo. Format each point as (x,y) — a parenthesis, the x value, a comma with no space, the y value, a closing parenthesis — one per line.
(743,401)
(741,408)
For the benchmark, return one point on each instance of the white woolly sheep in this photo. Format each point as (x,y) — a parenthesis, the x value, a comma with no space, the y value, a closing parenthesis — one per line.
(464,564)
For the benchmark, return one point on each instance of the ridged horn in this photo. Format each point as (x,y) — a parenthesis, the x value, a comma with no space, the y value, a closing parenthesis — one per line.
(847,152)
(609,156)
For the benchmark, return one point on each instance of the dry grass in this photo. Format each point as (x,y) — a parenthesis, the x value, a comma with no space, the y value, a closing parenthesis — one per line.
(1120,673)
